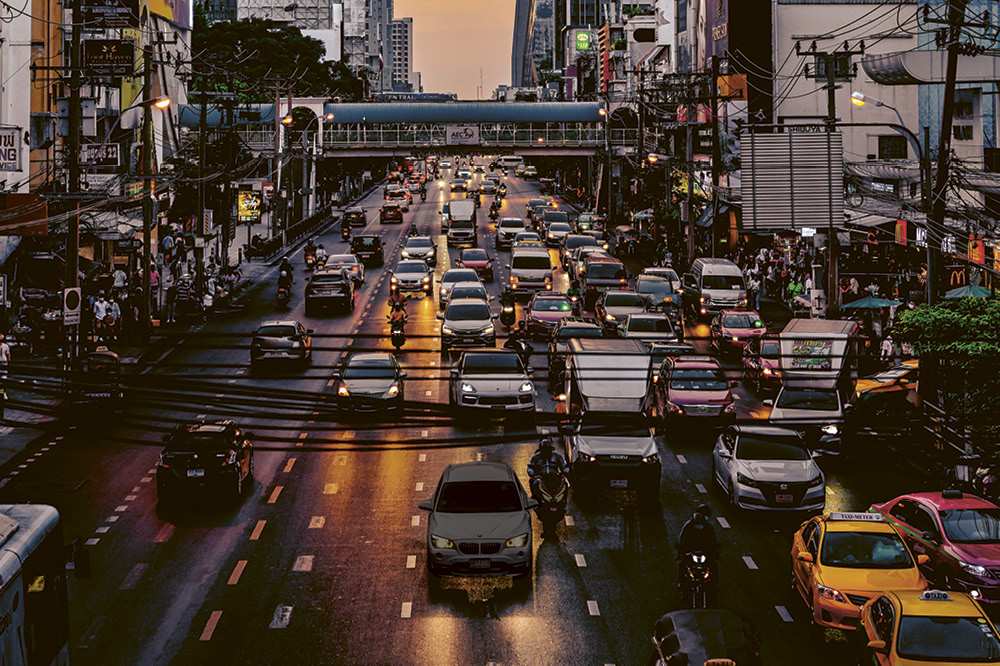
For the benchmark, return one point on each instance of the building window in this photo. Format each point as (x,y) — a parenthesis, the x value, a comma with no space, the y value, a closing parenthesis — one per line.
(962,132)
(892,147)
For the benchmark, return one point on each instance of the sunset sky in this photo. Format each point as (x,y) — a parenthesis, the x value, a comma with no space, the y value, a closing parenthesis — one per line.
(453,39)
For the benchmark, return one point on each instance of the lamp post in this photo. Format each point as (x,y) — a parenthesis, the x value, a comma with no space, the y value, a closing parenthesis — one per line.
(287,121)
(607,152)
(147,105)
(859,99)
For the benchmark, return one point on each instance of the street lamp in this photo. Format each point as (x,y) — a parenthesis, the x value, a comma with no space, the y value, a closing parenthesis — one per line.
(147,193)
(859,99)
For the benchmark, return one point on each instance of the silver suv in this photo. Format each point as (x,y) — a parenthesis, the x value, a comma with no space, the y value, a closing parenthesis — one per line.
(530,271)
(479,523)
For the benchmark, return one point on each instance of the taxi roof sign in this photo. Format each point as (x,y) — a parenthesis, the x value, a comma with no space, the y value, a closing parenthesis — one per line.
(857,517)
(935,595)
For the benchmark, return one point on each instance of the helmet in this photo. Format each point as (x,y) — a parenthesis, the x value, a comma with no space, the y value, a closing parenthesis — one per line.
(699,518)
(522,324)
(705,510)
(545,444)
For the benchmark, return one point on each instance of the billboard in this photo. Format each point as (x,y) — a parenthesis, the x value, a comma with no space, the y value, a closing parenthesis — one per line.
(114,56)
(582,40)
(178,12)
(462,135)
(248,205)
(10,149)
(111,13)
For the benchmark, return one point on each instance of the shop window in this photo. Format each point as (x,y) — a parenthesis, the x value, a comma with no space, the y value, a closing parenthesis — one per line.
(962,132)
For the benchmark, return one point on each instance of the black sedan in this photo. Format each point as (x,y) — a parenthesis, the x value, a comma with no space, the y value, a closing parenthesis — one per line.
(208,455)
(369,382)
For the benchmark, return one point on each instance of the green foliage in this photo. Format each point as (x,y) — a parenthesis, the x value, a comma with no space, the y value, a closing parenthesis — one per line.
(241,56)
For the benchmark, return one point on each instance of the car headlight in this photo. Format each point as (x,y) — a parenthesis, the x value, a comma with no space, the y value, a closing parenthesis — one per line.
(832,429)
(404,253)
(818,481)
(651,458)
(489,330)
(605,246)
(526,387)
(745,480)
(768,371)
(735,339)
(393,279)
(468,388)
(296,345)
(447,330)
(441,542)
(609,317)
(830,593)
(975,570)
(393,391)
(587,458)
(520,541)
(343,392)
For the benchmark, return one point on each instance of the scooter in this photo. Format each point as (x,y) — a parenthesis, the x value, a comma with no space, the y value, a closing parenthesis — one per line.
(423,196)
(522,348)
(345,231)
(283,296)
(507,316)
(310,260)
(320,263)
(397,334)
(697,585)
(575,304)
(551,489)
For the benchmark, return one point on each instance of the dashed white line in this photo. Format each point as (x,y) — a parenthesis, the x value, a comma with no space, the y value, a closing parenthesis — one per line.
(102,530)
(130,498)
(330,489)
(317,522)
(700,488)
(420,486)
(91,542)
(784,614)
(581,561)
(26,467)
(111,519)
(411,561)
(237,572)
(681,459)
(723,522)
(164,534)
(593,608)
(123,507)
(274,494)
(407,610)
(258,528)
(750,563)
(423,433)
(428,393)
(133,576)
(213,622)
(232,381)
(303,563)
(200,417)
(288,465)
(145,479)
(415,521)
(137,489)
(45,448)
(569,521)
(422,457)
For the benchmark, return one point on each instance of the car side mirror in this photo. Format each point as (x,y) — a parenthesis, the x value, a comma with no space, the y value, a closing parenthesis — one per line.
(805,557)
(923,559)
(439,316)
(426,505)
(929,536)
(453,373)
(335,374)
(532,504)
(402,373)
(878,646)
(507,266)
(769,403)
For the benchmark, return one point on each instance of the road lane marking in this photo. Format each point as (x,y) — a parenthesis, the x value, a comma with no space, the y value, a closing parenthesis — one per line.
(681,459)
(303,563)
(232,381)
(317,522)
(420,486)
(200,417)
(133,576)
(340,460)
(422,457)
(282,616)
(348,434)
(411,561)
(331,382)
(102,530)
(137,489)
(90,637)
(111,519)
(220,395)
(257,530)
(415,521)
(750,563)
(22,467)
(130,498)
(330,489)
(164,534)
(569,521)
(288,465)
(407,610)
(593,608)
(237,572)
(700,488)
(784,614)
(303,435)
(274,494)
(723,522)
(423,433)
(91,542)
(581,561)
(123,507)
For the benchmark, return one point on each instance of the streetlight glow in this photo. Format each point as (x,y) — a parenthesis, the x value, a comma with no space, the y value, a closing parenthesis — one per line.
(858,98)
(162,102)
(287,120)
(329,116)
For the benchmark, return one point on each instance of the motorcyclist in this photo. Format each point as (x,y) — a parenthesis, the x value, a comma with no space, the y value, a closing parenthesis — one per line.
(345,230)
(545,456)
(698,535)
(518,334)
(285,275)
(286,267)
(310,248)
(398,300)
(321,253)
(413,231)
(423,192)
(507,298)
(574,293)
(397,314)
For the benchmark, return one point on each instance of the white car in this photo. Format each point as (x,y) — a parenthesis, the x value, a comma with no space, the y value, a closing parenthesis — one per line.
(493,379)
(765,468)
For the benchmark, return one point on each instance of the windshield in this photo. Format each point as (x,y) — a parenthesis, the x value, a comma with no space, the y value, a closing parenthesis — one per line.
(573,242)
(972,525)
(627,298)
(701,379)
(560,227)
(952,639)
(507,364)
(459,223)
(741,321)
(276,331)
(534,262)
(722,282)
(369,370)
(820,400)
(467,312)
(650,325)
(411,267)
(551,305)
(753,448)
(475,255)
(595,424)
(588,332)
(462,275)
(511,223)
(864,550)
(419,243)
(770,350)
(479,497)
(606,270)
(468,292)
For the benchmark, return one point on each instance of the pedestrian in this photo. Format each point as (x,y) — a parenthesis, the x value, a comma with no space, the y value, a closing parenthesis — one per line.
(853,286)
(171,309)
(753,285)
(100,312)
(113,319)
(888,349)
(4,358)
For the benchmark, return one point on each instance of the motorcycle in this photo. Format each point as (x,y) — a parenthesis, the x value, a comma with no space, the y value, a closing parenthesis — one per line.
(310,260)
(986,482)
(522,348)
(494,214)
(697,584)
(397,334)
(507,315)
(423,196)
(345,231)
(320,263)
(574,302)
(283,296)
(551,489)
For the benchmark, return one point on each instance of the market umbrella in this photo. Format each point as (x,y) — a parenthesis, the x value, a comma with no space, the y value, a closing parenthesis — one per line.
(871,303)
(968,291)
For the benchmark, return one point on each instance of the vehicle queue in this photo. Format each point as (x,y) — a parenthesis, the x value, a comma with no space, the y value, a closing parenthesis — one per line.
(621,375)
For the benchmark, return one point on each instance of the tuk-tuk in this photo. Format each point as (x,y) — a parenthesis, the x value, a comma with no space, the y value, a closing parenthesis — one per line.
(707,637)
(590,224)
(546,185)
(98,380)
(624,237)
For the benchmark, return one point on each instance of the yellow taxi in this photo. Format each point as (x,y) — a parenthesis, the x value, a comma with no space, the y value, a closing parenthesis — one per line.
(899,378)
(842,560)
(907,628)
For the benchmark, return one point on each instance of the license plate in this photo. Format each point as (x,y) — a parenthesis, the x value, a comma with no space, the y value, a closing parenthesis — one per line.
(619,483)
(196,472)
(498,407)
(480,563)
(783,498)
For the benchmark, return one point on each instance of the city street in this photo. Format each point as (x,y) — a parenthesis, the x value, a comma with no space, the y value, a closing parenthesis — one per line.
(323,561)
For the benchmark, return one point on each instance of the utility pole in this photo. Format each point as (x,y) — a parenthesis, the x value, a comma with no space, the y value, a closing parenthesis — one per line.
(73,157)
(713,87)
(147,177)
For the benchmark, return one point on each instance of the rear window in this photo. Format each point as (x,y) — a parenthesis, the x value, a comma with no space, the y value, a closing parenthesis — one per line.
(650,325)
(555,216)
(329,278)
(468,292)
(369,370)
(276,331)
(462,275)
(580,241)
(551,305)
(702,379)
(478,497)
(596,424)
(467,312)
(560,226)
(825,401)
(623,299)
(583,332)
(534,262)
(474,255)
(198,441)
(605,271)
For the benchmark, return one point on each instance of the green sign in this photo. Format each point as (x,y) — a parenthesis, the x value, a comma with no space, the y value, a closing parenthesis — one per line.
(582,40)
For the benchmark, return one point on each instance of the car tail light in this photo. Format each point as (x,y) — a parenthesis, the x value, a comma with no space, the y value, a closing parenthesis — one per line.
(229,458)
(164,461)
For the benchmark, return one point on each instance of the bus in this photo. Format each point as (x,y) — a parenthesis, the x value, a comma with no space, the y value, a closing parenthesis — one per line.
(34,606)
(509,161)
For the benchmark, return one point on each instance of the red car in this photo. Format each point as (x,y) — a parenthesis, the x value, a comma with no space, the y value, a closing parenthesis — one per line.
(762,364)
(544,312)
(477,260)
(694,388)
(959,533)
(390,212)
(731,330)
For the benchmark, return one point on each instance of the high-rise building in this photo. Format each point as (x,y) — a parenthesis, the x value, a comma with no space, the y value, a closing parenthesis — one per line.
(522,67)
(404,79)
(305,14)
(356,33)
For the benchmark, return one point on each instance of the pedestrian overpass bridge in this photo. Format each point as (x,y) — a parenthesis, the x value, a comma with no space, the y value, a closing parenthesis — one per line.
(403,128)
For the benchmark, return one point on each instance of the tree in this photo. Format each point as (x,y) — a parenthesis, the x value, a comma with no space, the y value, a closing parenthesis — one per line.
(241,56)
(965,335)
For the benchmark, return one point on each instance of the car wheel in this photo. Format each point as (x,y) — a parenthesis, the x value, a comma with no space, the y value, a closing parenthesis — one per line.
(238,486)
(250,476)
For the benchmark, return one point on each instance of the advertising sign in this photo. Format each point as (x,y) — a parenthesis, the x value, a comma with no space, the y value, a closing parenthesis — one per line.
(812,354)
(101,154)
(10,149)
(114,56)
(111,13)
(582,40)
(462,135)
(249,205)
(175,11)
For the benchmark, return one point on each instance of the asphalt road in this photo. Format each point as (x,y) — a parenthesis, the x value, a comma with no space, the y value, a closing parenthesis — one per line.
(323,560)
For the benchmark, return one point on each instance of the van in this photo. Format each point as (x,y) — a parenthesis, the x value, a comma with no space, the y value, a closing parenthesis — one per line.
(600,273)
(713,285)
(508,161)
(462,223)
(530,271)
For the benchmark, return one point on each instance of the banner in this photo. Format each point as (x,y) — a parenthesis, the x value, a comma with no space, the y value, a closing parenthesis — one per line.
(10,149)
(462,135)
(248,205)
(901,232)
(111,13)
